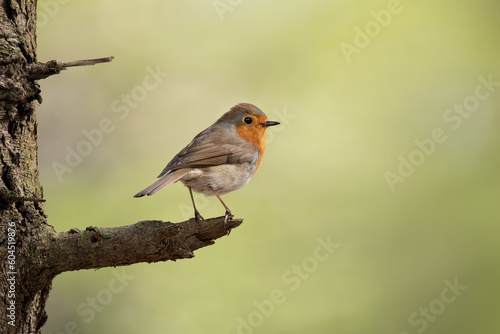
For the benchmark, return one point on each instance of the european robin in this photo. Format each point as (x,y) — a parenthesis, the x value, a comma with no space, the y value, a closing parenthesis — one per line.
(220,159)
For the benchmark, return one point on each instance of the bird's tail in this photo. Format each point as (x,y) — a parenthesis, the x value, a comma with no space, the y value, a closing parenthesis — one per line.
(164,181)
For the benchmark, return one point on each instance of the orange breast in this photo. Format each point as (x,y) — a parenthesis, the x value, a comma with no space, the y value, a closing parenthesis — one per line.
(257,136)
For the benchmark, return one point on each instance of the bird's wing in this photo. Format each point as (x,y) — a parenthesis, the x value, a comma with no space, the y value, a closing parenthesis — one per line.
(164,181)
(211,148)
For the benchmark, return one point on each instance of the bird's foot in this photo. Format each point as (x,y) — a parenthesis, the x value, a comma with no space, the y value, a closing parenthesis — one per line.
(229,215)
(197,216)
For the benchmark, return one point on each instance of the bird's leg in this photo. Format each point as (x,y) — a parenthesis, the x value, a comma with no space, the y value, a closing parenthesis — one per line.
(197,215)
(229,214)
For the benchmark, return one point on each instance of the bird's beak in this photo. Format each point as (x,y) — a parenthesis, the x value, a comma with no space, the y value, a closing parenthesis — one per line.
(270,123)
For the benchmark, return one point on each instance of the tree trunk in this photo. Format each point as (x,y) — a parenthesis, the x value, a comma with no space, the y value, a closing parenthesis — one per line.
(23,223)
(32,252)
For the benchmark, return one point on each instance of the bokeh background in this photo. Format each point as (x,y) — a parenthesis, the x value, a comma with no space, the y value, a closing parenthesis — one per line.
(355,84)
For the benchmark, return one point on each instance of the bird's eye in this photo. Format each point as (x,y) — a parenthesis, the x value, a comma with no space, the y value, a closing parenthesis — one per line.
(248,120)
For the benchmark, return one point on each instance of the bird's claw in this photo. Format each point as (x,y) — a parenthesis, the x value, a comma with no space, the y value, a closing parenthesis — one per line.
(228,216)
(198,217)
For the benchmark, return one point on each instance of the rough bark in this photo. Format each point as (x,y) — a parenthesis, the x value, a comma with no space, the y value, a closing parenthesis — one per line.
(19,172)
(145,241)
(31,251)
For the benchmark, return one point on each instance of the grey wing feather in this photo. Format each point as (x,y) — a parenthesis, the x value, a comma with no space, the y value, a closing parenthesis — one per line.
(163,182)
(204,150)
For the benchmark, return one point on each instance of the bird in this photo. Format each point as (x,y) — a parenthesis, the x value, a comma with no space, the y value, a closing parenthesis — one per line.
(220,159)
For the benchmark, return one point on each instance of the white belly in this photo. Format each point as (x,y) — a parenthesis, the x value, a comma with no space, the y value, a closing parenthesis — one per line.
(223,178)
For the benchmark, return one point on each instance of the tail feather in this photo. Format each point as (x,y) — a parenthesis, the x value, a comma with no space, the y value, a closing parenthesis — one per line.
(164,181)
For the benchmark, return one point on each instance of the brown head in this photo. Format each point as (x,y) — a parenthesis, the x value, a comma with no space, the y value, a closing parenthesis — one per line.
(250,123)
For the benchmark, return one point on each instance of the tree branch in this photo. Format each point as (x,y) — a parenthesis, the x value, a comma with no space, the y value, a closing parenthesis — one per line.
(146,241)
(39,71)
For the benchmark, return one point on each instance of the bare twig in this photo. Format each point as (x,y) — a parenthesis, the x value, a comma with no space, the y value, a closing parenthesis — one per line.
(86,62)
(7,197)
(39,71)
(29,199)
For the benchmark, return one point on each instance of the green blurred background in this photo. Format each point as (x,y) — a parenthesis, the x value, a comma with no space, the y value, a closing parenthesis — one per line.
(348,119)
